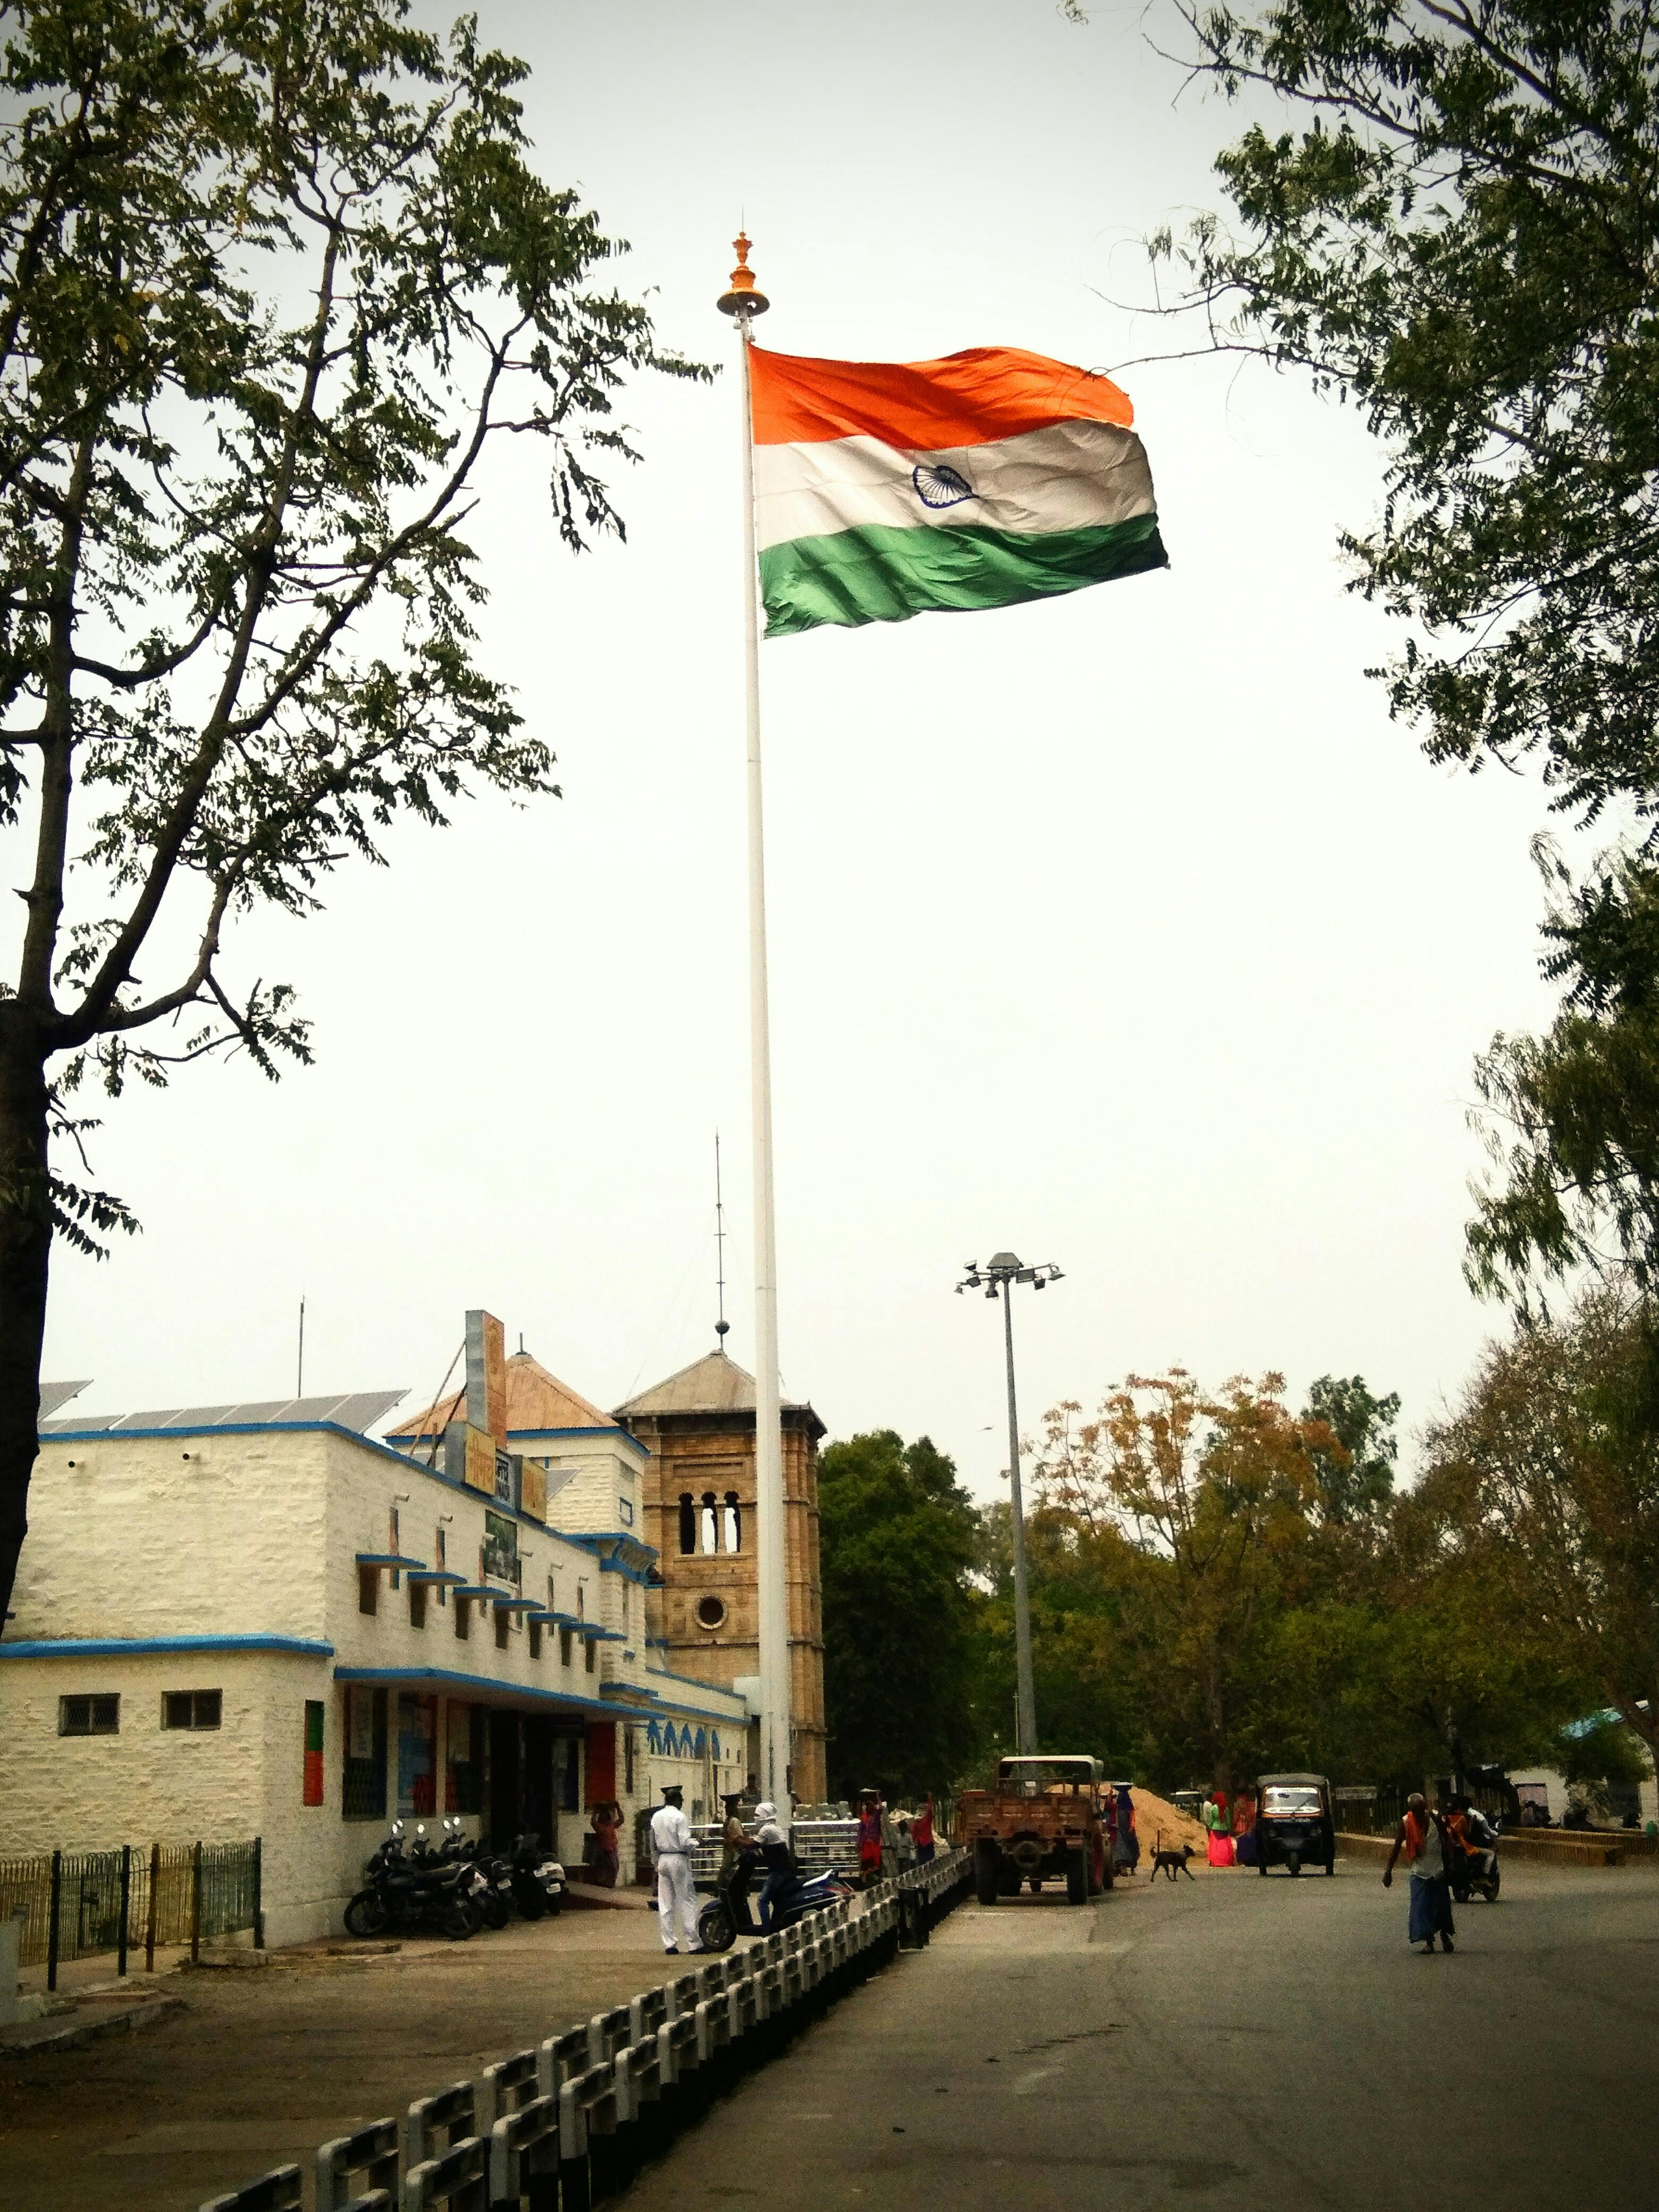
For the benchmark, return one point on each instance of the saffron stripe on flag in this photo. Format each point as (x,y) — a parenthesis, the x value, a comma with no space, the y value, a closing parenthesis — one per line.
(968,399)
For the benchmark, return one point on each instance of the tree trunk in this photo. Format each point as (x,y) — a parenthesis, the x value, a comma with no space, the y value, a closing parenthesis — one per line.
(25,1247)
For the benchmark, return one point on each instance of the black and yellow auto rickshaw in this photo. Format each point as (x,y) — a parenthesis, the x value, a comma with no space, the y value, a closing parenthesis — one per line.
(1294,1827)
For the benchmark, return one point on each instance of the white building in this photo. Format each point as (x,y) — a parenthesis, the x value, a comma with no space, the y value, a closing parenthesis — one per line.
(245,1620)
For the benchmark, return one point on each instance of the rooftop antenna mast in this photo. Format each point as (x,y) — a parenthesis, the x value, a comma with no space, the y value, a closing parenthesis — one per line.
(300,1375)
(722,1325)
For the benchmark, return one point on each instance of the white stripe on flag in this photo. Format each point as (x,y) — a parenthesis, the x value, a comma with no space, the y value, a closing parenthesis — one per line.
(1072,476)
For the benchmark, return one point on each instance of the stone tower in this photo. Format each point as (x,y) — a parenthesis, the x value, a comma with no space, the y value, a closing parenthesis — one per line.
(699,1501)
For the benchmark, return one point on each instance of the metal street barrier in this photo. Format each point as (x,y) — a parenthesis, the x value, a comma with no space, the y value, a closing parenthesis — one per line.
(608,2032)
(372,2151)
(279,2190)
(587,2127)
(524,2158)
(449,2114)
(563,2126)
(458,2181)
(505,2087)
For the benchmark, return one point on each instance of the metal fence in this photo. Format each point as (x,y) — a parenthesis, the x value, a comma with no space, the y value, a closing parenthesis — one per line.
(78,1904)
(1380,1813)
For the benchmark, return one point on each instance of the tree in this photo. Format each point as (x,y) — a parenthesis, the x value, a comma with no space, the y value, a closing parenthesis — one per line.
(1571,1119)
(1461,241)
(1091,1696)
(897,1537)
(1353,1475)
(1215,1494)
(273,277)
(1545,1483)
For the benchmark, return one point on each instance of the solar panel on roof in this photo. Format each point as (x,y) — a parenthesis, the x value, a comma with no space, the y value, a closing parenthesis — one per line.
(358,1410)
(54,1394)
(362,1408)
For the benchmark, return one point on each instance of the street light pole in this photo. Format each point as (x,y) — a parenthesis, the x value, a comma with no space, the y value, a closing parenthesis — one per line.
(999,1275)
(1025,1731)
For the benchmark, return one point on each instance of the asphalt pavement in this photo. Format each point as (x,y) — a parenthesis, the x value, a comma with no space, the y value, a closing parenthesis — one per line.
(1260,2042)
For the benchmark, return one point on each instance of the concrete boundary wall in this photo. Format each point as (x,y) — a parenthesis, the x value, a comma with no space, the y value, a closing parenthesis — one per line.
(1542,1848)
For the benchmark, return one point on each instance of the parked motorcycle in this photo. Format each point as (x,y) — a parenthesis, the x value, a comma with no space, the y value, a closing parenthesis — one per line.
(727,1914)
(538,1879)
(409,1895)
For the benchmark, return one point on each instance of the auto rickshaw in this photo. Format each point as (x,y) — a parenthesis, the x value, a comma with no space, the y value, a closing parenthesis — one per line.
(1294,1827)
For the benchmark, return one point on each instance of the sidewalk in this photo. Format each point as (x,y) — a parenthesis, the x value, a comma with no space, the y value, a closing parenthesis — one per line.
(254,2069)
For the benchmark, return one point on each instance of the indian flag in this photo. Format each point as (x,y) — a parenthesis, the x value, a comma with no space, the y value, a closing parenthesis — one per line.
(888,489)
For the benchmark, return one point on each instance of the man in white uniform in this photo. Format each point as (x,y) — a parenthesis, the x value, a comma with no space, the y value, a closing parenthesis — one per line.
(672,1844)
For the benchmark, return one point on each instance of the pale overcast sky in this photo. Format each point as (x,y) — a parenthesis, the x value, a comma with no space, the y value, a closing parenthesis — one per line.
(1122,929)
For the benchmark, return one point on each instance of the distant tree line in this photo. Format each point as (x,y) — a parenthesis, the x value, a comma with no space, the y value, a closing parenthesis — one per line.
(1223,1586)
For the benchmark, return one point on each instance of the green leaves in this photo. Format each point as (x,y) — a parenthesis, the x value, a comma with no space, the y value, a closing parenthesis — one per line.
(273,277)
(1461,241)
(898,1541)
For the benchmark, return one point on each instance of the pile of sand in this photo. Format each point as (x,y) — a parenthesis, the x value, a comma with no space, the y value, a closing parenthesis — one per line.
(1159,1825)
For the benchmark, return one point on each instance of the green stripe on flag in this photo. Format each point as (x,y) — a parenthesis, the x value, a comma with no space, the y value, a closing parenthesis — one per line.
(888,574)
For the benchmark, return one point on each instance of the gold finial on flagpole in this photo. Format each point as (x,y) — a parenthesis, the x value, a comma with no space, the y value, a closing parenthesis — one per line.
(745,298)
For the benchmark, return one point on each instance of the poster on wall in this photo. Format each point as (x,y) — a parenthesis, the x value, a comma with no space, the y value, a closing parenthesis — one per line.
(416,1763)
(499,1553)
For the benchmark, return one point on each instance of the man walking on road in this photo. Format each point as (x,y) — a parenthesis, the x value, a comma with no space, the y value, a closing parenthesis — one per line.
(672,1845)
(1421,1837)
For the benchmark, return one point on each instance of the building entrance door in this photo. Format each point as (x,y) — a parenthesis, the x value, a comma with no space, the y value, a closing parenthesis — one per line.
(538,1778)
(506,1780)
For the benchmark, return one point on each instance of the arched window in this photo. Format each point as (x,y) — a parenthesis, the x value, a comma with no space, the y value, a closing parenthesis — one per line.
(688,1522)
(710,1532)
(733,1523)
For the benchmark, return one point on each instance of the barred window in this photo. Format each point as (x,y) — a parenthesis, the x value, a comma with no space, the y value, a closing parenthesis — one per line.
(191,1709)
(363,1793)
(96,1716)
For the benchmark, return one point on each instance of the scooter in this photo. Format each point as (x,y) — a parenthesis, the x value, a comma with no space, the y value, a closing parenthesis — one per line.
(538,1879)
(1479,1874)
(490,1882)
(726,1915)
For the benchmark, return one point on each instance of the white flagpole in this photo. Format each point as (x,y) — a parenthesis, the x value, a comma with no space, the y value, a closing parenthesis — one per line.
(744,302)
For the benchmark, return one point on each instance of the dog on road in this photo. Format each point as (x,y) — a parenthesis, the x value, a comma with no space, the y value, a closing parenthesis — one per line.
(1173,1862)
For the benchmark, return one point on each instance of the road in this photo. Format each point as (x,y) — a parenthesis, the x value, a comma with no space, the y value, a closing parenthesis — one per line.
(1234,2039)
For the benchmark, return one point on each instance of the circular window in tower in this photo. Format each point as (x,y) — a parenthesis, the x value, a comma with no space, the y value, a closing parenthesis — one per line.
(710,1613)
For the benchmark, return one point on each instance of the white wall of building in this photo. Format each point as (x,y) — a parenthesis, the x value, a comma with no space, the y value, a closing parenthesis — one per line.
(138,1539)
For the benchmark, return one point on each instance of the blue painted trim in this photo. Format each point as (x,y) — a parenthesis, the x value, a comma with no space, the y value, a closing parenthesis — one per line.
(390,1559)
(450,1677)
(481,1590)
(445,1575)
(616,1434)
(125,1647)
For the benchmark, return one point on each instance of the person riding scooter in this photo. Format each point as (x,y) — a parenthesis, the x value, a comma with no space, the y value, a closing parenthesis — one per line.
(781,1878)
(1475,1841)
